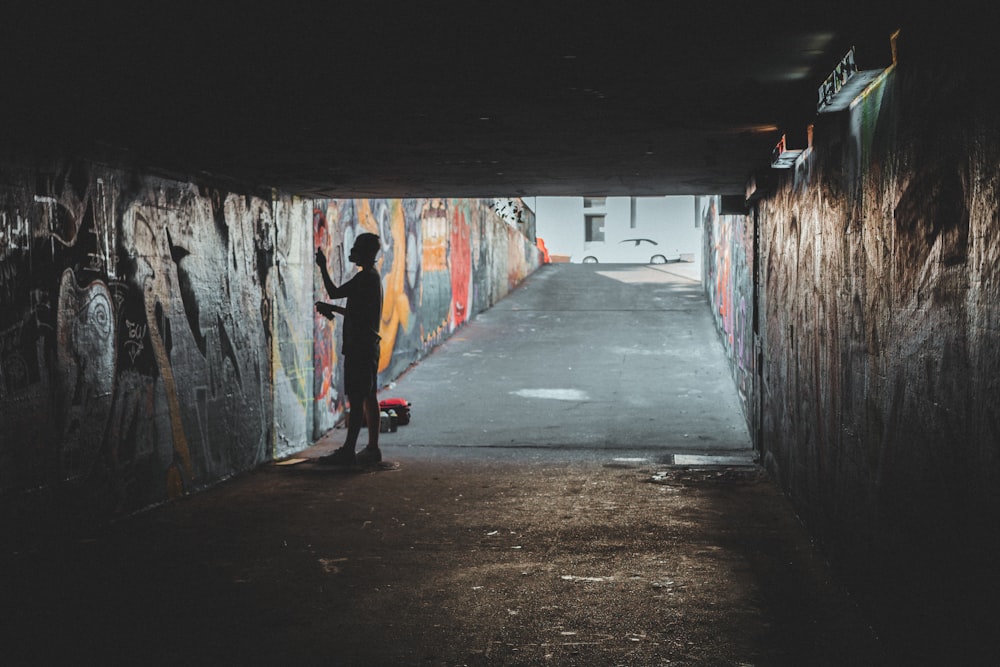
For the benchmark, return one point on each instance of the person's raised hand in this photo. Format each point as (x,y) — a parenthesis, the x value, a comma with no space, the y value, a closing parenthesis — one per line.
(320,258)
(325,309)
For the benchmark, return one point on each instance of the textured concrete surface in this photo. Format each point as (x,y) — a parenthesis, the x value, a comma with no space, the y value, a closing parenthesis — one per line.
(399,99)
(600,360)
(442,563)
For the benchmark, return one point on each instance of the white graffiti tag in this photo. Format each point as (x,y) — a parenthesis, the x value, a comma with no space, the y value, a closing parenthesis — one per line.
(136,333)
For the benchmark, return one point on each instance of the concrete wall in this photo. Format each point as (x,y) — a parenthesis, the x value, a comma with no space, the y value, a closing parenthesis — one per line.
(559,221)
(728,277)
(880,322)
(515,211)
(292,354)
(134,336)
(158,336)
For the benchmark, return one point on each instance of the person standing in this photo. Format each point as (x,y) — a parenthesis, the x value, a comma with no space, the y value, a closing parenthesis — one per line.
(360,347)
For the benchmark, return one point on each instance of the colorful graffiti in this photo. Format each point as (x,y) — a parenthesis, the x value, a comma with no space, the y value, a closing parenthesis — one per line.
(460,267)
(328,235)
(442,261)
(729,245)
(157,336)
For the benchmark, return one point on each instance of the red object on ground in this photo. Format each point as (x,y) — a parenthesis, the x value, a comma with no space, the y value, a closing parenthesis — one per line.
(400,405)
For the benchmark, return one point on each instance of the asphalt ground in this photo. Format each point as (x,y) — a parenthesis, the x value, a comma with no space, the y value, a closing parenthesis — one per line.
(532,513)
(586,361)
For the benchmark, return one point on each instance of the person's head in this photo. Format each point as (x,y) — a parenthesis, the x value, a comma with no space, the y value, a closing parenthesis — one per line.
(366,247)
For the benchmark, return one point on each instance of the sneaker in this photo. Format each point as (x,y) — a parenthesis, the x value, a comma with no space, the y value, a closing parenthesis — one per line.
(369,456)
(339,457)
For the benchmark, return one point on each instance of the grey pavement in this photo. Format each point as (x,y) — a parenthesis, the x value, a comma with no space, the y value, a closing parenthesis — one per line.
(582,360)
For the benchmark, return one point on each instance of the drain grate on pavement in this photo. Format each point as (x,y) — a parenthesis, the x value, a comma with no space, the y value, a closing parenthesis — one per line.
(697,460)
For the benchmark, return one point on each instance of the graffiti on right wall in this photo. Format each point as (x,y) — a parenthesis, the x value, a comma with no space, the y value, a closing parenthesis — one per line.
(728,282)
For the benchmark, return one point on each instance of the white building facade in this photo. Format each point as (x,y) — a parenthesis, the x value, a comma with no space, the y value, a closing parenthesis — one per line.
(645,230)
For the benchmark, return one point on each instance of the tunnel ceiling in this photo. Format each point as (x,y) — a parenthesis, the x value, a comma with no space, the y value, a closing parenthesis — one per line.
(432,99)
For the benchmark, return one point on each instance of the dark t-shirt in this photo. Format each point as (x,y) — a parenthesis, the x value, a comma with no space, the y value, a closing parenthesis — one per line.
(364,312)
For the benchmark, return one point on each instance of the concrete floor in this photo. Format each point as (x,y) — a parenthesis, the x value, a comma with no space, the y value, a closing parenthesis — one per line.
(504,528)
(443,563)
(602,361)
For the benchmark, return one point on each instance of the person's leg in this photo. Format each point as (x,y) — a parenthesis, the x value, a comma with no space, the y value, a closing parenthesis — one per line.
(356,388)
(374,422)
(356,397)
(371,453)
(355,418)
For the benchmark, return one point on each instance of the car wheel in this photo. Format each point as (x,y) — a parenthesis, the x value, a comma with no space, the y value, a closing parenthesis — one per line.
(589,260)
(657,259)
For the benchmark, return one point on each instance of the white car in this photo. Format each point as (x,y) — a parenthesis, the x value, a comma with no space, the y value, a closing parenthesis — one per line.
(628,251)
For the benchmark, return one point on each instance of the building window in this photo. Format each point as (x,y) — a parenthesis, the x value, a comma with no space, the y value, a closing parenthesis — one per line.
(593,228)
(594,202)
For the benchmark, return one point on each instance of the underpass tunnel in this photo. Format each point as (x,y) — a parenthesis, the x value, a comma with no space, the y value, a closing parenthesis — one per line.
(158,334)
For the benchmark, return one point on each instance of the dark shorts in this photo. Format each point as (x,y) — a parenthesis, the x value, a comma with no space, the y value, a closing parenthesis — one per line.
(360,374)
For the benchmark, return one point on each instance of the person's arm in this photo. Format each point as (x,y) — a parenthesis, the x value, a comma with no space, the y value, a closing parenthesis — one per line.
(327,310)
(327,281)
(333,291)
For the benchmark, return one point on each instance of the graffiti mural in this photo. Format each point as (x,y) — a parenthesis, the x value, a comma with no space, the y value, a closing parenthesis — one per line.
(289,287)
(134,335)
(459,265)
(434,291)
(442,261)
(157,336)
(328,234)
(729,245)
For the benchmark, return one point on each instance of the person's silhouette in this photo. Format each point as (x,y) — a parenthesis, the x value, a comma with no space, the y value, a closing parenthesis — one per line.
(360,347)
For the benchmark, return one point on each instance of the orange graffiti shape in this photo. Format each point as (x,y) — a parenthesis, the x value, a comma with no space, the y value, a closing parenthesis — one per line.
(460,257)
